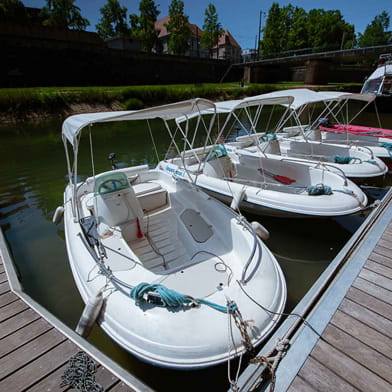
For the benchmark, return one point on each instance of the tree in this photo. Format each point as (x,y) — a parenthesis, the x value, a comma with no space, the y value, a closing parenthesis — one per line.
(212,29)
(143,26)
(273,31)
(297,37)
(63,14)
(376,32)
(12,11)
(113,22)
(327,29)
(178,28)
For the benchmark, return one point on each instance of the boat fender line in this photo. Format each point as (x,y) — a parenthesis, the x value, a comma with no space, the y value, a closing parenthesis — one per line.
(260,230)
(319,189)
(388,147)
(237,198)
(371,161)
(90,315)
(58,215)
(159,294)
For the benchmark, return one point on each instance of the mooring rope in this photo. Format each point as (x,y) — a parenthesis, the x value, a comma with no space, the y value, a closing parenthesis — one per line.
(388,147)
(168,297)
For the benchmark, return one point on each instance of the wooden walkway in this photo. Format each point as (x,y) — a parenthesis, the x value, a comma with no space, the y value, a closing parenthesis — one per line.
(355,350)
(33,353)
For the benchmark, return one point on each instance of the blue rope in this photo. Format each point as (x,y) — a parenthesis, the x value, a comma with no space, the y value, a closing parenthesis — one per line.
(342,159)
(319,189)
(388,146)
(268,136)
(169,298)
(371,161)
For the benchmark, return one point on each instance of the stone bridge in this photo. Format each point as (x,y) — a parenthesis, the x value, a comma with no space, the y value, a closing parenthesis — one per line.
(350,65)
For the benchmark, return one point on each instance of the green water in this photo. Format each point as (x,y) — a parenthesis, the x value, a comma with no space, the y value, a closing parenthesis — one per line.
(33,177)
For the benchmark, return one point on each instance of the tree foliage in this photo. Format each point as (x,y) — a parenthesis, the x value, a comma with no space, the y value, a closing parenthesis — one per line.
(63,14)
(291,28)
(12,11)
(143,26)
(212,29)
(113,22)
(178,28)
(376,32)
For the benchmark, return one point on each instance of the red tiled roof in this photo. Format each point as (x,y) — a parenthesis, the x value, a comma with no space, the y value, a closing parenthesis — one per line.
(227,39)
(160,26)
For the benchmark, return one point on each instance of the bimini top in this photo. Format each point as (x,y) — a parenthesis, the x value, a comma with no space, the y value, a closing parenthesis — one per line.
(73,125)
(230,106)
(304,96)
(385,69)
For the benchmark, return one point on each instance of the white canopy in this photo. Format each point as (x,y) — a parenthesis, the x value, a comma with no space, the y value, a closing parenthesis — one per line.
(381,71)
(73,125)
(230,106)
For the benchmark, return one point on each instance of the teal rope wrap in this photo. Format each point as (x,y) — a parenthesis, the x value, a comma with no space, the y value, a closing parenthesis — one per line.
(342,159)
(268,136)
(388,146)
(319,189)
(168,297)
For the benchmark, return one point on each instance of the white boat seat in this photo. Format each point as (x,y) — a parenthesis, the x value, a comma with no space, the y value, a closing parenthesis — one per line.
(150,195)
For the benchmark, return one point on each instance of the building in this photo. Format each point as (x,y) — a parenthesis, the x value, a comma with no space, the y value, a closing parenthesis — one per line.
(249,55)
(227,48)
(194,45)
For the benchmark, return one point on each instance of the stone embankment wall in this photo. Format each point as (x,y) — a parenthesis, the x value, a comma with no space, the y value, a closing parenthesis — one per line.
(37,56)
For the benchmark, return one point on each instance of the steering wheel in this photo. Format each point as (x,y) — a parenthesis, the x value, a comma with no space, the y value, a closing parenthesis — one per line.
(110,185)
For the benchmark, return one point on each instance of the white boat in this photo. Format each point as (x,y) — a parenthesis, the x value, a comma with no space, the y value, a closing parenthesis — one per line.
(263,183)
(335,110)
(173,264)
(380,83)
(355,162)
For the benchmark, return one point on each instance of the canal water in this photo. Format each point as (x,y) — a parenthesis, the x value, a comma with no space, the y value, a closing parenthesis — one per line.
(33,177)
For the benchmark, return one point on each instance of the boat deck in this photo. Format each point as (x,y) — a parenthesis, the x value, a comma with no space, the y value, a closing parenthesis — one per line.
(34,351)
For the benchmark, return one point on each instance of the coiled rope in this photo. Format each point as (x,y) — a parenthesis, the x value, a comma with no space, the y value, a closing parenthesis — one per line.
(343,159)
(144,292)
(319,189)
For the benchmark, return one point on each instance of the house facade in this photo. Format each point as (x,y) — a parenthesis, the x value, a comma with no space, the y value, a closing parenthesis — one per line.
(228,48)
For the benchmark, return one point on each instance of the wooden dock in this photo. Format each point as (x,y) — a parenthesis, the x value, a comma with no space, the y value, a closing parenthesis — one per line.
(349,347)
(34,350)
(354,352)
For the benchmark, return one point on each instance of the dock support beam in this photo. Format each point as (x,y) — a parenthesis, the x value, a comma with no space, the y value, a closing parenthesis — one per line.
(317,72)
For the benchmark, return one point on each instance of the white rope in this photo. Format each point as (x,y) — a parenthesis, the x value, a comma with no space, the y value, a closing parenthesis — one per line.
(153,141)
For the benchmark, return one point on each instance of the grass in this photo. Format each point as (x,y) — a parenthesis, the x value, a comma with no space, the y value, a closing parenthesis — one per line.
(20,101)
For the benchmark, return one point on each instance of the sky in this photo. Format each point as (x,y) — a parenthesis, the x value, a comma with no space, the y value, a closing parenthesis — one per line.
(241,17)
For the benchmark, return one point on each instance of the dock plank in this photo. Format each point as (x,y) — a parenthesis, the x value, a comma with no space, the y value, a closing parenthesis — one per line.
(29,351)
(348,369)
(385,241)
(379,323)
(373,289)
(4,287)
(379,269)
(23,336)
(379,280)
(121,387)
(1,266)
(7,298)
(370,302)
(104,378)
(382,251)
(371,359)
(323,379)
(381,259)
(14,323)
(3,277)
(36,370)
(361,331)
(51,382)
(12,309)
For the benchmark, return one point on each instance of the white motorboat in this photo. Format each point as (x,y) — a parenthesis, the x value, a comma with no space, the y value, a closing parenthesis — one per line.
(263,183)
(380,83)
(356,163)
(173,265)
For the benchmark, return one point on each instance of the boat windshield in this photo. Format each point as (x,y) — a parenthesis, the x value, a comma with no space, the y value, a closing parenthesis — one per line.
(111,182)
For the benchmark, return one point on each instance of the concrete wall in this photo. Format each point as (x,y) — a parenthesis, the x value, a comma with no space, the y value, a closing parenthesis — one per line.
(34,56)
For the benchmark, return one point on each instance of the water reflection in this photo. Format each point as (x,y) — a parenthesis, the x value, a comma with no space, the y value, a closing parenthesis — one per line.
(33,177)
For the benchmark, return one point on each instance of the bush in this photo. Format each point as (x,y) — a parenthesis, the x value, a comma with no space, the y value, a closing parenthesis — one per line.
(133,104)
